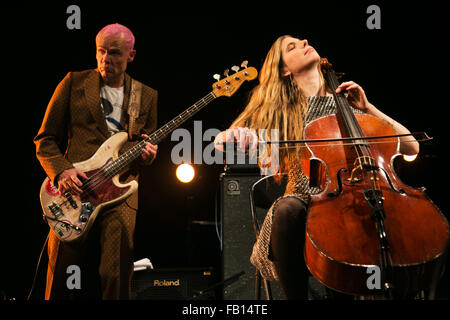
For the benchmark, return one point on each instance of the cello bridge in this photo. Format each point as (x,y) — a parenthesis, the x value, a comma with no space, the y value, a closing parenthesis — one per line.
(366,162)
(354,178)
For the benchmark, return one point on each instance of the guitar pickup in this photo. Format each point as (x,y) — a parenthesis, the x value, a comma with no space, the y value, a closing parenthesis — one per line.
(69,198)
(55,209)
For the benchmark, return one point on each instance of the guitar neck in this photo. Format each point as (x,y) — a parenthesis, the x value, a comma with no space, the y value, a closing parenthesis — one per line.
(133,153)
(162,132)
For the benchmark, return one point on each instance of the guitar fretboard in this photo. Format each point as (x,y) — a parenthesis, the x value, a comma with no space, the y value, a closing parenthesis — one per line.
(133,153)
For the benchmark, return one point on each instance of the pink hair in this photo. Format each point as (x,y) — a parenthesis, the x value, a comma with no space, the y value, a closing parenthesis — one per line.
(117,29)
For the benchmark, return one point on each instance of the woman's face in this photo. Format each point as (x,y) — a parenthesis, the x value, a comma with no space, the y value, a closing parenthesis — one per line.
(297,56)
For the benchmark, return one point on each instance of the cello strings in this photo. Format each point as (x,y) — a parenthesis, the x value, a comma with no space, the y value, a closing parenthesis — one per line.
(341,107)
(354,130)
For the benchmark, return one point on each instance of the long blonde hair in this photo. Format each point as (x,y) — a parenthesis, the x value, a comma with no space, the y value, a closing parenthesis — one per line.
(276,103)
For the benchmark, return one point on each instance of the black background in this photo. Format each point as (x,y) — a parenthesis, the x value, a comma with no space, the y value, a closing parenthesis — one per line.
(402,67)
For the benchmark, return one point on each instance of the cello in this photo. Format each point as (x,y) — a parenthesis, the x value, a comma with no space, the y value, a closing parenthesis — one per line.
(365,221)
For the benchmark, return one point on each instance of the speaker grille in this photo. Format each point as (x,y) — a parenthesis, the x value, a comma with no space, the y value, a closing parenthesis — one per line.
(238,236)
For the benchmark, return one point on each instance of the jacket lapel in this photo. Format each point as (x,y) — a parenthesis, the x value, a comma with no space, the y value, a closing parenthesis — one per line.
(92,97)
(127,89)
(126,97)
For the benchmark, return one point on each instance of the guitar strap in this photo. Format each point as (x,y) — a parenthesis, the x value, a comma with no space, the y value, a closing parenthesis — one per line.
(134,106)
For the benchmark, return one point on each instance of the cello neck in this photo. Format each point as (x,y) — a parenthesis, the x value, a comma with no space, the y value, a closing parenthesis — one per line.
(344,111)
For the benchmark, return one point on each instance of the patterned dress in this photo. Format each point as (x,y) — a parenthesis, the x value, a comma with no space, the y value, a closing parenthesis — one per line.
(297,187)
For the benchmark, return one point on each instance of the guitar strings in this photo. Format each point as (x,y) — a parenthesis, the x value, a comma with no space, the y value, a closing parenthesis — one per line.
(102,175)
(122,161)
(117,165)
(98,178)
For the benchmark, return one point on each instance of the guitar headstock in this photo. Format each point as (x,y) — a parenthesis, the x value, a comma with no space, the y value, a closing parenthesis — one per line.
(229,85)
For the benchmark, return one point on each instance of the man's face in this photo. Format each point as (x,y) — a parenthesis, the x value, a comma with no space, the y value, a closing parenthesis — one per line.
(113,56)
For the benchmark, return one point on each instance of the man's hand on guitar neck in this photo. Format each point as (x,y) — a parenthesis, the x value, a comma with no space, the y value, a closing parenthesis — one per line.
(149,151)
(68,181)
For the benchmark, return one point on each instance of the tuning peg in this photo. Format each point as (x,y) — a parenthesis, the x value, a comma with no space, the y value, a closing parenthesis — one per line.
(217,77)
(244,64)
(226,72)
(235,68)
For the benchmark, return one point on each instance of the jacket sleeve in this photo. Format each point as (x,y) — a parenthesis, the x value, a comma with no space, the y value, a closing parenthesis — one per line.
(53,132)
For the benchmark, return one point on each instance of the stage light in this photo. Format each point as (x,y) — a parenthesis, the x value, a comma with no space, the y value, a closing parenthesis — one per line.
(185,172)
(409,158)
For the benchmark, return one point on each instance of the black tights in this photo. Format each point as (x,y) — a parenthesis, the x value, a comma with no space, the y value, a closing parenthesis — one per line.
(287,242)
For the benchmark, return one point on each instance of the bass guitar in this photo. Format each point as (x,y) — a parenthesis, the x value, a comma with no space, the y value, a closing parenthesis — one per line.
(71,216)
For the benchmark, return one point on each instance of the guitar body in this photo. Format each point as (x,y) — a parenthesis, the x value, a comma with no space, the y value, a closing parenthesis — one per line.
(71,216)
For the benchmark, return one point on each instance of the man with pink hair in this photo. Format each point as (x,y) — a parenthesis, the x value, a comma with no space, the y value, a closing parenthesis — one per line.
(87,108)
(116,28)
